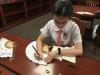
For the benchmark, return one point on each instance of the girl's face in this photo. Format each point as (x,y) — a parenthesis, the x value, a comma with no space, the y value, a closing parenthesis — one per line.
(60,21)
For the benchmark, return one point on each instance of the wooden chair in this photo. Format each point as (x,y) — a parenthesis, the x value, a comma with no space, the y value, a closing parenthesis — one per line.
(92,3)
(81,23)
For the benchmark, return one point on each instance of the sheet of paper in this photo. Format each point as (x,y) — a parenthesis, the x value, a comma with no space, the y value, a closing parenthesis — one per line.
(69,58)
(30,54)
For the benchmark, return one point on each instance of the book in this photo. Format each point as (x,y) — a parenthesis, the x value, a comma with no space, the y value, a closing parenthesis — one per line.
(6,47)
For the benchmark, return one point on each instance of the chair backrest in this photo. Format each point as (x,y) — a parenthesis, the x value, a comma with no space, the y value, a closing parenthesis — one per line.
(92,3)
(95,22)
(81,24)
(96,39)
(98,31)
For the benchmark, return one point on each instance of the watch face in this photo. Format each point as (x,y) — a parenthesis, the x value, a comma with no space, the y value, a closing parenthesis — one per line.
(59,51)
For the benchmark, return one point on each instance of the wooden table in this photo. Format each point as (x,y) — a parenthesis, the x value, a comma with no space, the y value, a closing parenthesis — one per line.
(80,8)
(84,16)
(23,66)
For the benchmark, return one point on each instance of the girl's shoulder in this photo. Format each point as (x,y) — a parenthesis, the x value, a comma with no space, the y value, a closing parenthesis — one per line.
(72,23)
(50,21)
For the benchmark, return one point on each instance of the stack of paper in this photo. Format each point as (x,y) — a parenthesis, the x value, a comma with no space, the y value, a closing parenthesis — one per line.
(6,48)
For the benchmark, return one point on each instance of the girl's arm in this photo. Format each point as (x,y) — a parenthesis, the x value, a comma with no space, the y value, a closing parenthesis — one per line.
(77,50)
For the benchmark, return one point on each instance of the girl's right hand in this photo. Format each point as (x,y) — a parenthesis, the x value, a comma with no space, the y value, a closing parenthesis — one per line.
(38,56)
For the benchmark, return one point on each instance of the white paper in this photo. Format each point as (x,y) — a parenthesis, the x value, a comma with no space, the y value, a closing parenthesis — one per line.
(30,54)
(4,51)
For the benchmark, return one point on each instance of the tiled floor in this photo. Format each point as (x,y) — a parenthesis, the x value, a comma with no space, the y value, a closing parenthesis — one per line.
(88,46)
(88,50)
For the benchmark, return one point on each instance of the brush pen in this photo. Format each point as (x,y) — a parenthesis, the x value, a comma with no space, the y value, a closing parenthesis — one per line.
(35,50)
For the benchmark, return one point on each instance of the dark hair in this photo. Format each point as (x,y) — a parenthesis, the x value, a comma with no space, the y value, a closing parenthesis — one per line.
(63,8)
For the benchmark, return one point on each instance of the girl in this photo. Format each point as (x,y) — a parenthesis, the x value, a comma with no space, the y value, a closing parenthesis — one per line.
(64,32)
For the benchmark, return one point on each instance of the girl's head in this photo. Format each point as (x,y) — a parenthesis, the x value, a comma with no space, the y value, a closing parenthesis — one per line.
(62,12)
(63,8)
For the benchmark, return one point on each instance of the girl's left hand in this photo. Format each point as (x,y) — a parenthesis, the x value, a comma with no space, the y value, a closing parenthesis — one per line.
(51,56)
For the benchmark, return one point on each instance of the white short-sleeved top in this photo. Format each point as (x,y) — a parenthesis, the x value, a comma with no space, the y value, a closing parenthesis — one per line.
(71,32)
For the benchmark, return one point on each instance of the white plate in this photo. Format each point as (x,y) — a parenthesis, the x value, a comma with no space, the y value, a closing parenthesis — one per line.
(30,53)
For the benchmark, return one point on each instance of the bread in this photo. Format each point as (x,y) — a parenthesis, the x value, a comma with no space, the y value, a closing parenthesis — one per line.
(45,49)
(9,44)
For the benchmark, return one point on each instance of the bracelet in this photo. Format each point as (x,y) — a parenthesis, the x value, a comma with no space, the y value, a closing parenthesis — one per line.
(59,51)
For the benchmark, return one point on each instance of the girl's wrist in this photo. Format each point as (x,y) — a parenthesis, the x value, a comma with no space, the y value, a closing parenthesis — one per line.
(56,52)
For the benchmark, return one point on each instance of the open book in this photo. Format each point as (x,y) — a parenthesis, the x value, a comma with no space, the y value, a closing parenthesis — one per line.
(6,48)
(30,54)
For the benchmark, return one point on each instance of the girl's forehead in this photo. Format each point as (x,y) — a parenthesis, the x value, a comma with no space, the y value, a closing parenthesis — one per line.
(61,18)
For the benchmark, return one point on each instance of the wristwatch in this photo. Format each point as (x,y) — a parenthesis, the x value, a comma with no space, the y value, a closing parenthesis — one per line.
(59,51)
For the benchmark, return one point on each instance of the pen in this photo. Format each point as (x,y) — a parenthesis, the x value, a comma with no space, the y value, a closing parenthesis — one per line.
(35,50)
